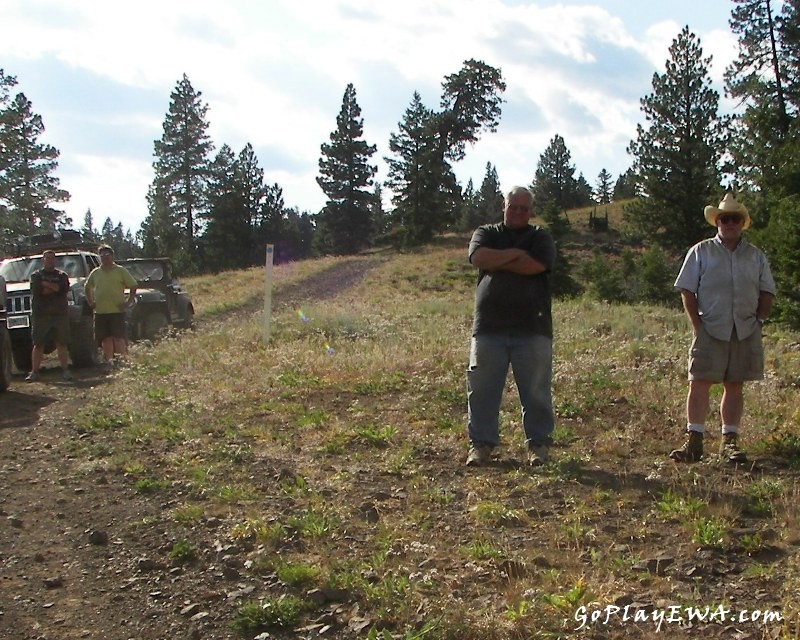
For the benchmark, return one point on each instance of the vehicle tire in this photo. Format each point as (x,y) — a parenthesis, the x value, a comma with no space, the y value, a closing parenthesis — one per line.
(83,349)
(21,350)
(152,324)
(188,321)
(5,360)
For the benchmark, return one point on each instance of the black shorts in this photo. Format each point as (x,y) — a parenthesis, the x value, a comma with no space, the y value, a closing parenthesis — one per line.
(110,325)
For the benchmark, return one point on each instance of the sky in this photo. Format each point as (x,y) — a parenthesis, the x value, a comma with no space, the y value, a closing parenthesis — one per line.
(273,74)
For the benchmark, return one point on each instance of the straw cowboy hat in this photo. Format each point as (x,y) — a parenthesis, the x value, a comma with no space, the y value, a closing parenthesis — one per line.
(728,205)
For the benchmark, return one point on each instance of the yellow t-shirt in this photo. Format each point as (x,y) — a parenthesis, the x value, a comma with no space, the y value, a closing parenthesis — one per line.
(109,288)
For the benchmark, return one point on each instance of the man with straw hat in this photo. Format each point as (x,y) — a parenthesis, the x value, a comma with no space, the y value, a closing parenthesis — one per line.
(727,291)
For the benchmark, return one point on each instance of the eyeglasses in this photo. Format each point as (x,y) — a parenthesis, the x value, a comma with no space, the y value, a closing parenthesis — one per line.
(731,219)
(106,254)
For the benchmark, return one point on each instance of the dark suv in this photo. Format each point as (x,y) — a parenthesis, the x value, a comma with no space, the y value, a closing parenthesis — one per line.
(160,301)
(73,256)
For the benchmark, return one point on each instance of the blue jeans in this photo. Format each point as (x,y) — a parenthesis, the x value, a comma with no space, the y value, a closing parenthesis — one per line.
(531,360)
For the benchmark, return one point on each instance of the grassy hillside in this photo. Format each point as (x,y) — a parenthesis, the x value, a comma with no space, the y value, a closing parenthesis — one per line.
(325,473)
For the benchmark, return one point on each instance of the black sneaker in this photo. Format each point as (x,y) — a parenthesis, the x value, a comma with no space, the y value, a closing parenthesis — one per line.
(692,449)
(729,449)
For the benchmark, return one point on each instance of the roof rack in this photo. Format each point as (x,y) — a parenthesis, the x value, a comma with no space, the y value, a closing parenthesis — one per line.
(63,239)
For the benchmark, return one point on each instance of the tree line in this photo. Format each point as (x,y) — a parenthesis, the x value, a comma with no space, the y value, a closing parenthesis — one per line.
(212,209)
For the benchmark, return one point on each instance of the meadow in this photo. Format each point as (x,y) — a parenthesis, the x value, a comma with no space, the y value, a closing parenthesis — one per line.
(327,467)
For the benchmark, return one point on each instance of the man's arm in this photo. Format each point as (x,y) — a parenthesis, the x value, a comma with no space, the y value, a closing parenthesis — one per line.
(514,260)
(692,309)
(765,300)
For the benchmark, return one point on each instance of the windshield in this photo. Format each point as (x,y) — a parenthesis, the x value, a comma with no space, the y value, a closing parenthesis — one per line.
(144,271)
(20,269)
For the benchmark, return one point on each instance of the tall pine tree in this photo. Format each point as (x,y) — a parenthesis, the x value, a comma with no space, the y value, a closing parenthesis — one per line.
(346,179)
(426,193)
(178,196)
(28,186)
(421,180)
(603,190)
(677,155)
(554,185)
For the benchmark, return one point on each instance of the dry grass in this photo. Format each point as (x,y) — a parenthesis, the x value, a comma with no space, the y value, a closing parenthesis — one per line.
(338,448)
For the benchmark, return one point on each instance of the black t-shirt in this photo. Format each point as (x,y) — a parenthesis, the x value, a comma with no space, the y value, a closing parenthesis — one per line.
(50,304)
(507,302)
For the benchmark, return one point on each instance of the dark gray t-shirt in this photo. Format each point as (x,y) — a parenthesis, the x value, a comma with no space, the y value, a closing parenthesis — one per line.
(507,302)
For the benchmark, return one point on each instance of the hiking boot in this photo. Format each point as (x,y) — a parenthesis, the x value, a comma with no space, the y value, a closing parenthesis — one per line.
(478,455)
(692,449)
(68,377)
(537,454)
(107,366)
(729,449)
(33,376)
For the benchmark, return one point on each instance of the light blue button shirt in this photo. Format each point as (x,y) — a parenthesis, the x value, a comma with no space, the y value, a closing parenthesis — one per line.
(727,285)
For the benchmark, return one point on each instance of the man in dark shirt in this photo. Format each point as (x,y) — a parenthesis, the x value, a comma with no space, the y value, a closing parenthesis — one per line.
(512,326)
(49,312)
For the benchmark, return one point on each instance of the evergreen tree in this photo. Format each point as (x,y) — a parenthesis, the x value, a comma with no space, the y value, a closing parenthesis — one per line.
(88,231)
(226,238)
(625,186)
(469,217)
(271,225)
(345,178)
(470,104)
(757,78)
(553,184)
(582,193)
(783,244)
(28,187)
(159,234)
(426,194)
(603,191)
(489,200)
(380,221)
(677,155)
(422,181)
(179,191)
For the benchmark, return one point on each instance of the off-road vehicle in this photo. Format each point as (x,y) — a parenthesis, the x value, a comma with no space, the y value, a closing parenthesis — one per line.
(160,301)
(5,341)
(77,259)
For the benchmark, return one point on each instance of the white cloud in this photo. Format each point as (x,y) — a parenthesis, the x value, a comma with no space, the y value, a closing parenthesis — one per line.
(273,74)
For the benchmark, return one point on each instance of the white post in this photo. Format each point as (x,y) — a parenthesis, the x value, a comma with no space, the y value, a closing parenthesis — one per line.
(268,293)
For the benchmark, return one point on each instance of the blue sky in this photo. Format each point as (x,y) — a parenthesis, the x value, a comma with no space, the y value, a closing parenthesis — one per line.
(273,74)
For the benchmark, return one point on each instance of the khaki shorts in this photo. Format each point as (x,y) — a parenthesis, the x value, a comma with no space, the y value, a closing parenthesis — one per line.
(733,360)
(43,327)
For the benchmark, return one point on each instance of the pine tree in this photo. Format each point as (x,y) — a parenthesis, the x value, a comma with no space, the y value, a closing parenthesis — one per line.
(677,155)
(88,231)
(603,191)
(757,78)
(179,191)
(380,221)
(553,185)
(346,178)
(468,217)
(427,197)
(28,187)
(489,200)
(421,180)
(625,186)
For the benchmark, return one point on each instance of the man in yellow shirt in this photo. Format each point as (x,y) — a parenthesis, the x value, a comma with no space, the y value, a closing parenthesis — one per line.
(105,293)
